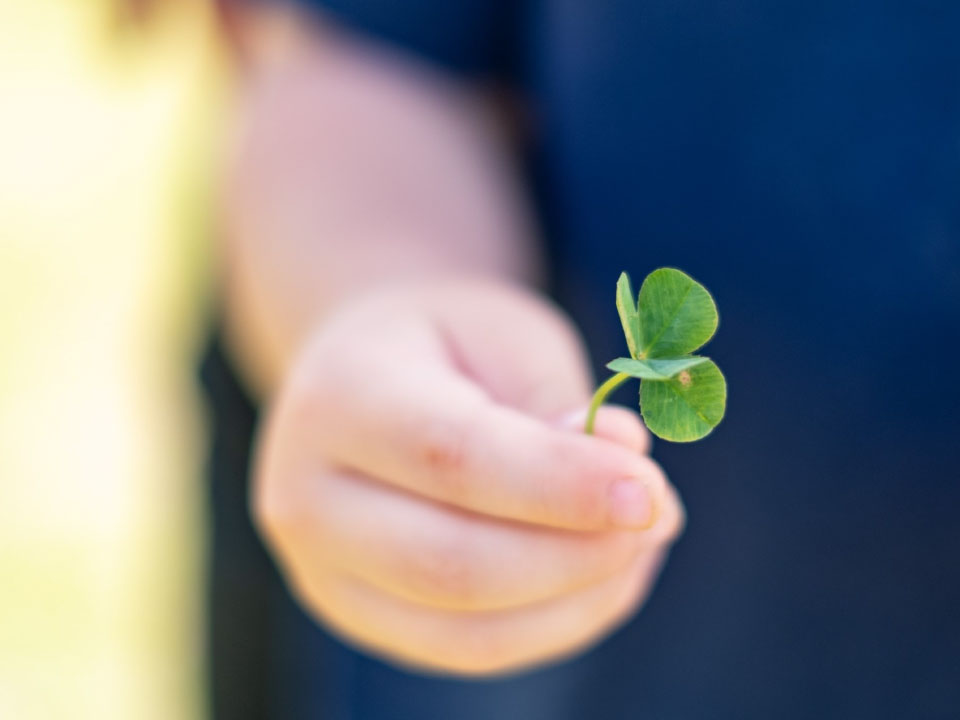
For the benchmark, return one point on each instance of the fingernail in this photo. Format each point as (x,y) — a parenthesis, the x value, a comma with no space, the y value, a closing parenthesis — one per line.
(631,506)
(572,420)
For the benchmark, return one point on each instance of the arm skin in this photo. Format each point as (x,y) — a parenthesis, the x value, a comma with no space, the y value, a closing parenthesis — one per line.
(419,478)
(362,168)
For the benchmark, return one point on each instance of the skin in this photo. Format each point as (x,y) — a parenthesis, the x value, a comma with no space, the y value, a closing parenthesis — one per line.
(422,478)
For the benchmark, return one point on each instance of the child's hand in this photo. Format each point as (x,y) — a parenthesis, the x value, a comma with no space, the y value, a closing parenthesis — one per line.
(431,499)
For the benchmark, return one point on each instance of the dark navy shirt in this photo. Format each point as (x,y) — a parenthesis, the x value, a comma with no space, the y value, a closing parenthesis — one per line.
(801,158)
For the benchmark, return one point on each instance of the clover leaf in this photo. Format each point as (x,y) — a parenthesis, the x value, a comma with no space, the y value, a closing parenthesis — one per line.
(682,396)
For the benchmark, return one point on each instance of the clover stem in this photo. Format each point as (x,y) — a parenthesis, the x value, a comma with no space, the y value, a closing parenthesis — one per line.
(600,396)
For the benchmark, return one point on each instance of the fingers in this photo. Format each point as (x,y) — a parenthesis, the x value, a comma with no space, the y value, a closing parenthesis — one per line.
(613,422)
(434,433)
(440,556)
(425,501)
(475,643)
(537,362)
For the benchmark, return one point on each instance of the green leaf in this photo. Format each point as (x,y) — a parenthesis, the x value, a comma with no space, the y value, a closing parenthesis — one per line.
(656,369)
(687,407)
(627,307)
(677,314)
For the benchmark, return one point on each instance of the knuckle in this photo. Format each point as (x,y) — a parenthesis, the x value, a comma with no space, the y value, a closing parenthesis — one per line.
(281,515)
(442,448)
(322,388)
(319,389)
(447,571)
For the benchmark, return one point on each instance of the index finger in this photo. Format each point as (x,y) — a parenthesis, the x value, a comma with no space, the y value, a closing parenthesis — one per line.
(451,443)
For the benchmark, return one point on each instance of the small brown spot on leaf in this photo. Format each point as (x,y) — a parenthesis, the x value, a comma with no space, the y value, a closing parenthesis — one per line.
(684,378)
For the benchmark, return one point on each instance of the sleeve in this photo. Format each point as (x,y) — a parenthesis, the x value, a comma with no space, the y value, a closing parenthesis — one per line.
(470,37)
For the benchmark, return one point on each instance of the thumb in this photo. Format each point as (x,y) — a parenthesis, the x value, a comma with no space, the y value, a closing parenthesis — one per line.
(615,423)
(526,354)
(522,350)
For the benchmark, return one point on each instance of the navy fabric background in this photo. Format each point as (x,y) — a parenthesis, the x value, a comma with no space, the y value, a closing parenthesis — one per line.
(802,159)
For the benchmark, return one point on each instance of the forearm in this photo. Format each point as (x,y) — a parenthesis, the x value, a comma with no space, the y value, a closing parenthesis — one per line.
(351,170)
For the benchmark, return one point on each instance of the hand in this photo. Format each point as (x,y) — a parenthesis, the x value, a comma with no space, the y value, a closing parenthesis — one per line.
(430,498)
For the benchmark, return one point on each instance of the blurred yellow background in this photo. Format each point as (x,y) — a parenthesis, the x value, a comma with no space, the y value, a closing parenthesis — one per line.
(105,189)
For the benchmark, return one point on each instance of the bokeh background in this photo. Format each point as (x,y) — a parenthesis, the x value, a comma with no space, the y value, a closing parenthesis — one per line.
(109,123)
(818,577)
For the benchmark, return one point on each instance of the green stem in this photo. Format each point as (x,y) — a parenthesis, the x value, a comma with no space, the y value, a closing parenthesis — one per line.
(600,396)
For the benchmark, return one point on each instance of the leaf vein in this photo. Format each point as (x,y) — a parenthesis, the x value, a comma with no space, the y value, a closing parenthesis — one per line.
(666,325)
(686,402)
